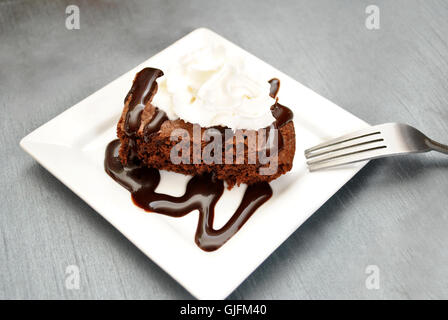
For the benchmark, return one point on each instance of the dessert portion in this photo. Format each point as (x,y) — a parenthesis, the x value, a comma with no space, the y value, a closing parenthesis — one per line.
(205,91)
(207,119)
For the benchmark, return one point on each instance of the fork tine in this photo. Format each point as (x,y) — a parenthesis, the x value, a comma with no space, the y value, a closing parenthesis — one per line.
(350,158)
(347,152)
(345,138)
(364,141)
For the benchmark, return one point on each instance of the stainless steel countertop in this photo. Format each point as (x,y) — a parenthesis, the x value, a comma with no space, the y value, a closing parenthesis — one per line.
(393,214)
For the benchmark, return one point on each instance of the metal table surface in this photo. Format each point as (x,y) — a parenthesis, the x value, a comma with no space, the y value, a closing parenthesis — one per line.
(392,215)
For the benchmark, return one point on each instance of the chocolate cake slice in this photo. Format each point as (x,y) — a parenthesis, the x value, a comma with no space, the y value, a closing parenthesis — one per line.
(145,133)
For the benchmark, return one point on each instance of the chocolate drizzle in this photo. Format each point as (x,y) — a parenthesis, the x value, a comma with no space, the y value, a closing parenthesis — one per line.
(275,86)
(202,193)
(143,90)
(153,126)
(282,116)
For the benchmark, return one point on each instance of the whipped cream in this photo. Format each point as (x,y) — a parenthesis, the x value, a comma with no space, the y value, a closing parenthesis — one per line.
(210,87)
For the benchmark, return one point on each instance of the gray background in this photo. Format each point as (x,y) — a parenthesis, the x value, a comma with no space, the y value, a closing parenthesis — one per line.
(393,214)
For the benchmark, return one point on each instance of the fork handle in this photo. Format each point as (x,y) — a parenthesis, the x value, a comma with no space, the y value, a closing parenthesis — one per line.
(436,146)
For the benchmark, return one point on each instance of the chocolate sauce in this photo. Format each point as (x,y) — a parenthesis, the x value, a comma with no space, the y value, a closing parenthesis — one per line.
(282,116)
(154,125)
(275,86)
(202,194)
(203,191)
(143,89)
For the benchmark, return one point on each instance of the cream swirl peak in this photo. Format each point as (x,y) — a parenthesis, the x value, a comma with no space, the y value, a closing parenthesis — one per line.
(210,87)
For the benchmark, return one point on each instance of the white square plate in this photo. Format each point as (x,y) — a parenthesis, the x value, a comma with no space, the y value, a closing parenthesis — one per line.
(72,145)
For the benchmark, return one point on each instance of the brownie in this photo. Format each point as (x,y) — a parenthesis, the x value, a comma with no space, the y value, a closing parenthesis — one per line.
(149,140)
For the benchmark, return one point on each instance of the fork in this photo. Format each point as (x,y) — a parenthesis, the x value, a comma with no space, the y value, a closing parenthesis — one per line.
(374,142)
